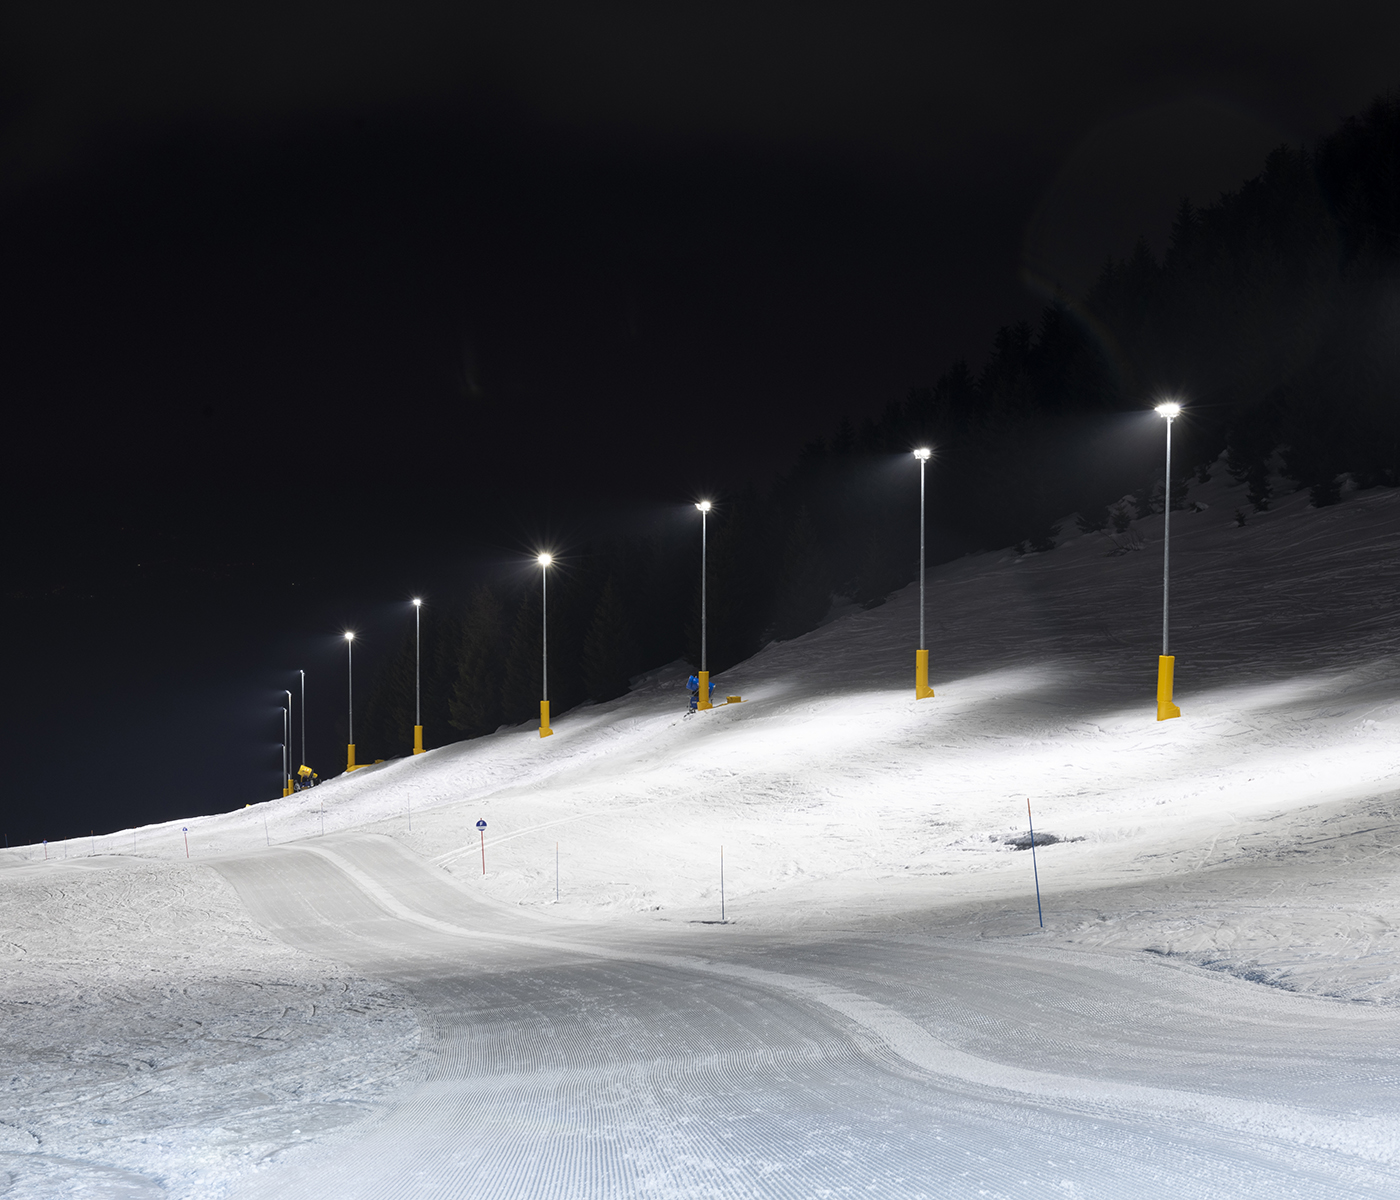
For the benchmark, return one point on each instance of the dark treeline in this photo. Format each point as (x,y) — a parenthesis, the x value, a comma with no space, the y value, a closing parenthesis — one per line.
(1272,316)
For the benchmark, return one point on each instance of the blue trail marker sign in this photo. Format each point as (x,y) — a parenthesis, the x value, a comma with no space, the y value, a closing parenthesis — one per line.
(481,828)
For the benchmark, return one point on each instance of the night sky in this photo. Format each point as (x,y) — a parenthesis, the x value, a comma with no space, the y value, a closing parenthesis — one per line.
(307,309)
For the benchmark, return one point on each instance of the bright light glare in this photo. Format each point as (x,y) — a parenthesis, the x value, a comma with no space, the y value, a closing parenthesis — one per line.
(418,604)
(349,637)
(1169,410)
(923,454)
(703,506)
(545,559)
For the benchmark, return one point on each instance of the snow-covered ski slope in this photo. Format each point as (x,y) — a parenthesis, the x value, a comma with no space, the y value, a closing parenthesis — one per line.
(1210,1010)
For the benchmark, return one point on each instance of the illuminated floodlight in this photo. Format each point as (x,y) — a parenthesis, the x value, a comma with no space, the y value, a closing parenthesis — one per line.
(703,506)
(349,637)
(1169,410)
(923,454)
(417,603)
(545,559)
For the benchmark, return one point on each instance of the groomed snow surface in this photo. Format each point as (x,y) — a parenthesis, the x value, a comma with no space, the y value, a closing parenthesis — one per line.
(1210,1010)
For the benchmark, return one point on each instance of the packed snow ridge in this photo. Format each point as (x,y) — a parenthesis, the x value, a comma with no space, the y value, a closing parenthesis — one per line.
(354,992)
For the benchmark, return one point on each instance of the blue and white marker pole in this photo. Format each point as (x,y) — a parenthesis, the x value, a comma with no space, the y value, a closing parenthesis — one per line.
(481,829)
(185,829)
(1038,911)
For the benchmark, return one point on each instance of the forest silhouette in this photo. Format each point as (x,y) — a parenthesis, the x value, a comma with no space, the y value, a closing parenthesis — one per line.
(1272,316)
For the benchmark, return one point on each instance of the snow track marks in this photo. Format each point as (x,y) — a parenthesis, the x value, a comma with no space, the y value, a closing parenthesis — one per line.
(579,1068)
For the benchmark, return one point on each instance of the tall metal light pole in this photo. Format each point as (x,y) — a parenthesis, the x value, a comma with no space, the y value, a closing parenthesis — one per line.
(350,693)
(1166,664)
(703,699)
(544,560)
(922,691)
(417,676)
(287,746)
(303,717)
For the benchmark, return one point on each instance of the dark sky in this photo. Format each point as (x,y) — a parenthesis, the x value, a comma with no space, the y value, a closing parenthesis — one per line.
(361,299)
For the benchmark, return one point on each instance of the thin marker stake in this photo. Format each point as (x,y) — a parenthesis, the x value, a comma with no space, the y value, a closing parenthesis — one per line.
(483,851)
(185,829)
(1034,868)
(721,883)
(266,835)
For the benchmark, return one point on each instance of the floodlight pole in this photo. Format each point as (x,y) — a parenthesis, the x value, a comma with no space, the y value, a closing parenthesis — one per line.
(303,717)
(418,677)
(1166,536)
(350,693)
(287,746)
(922,691)
(704,589)
(544,560)
(1166,664)
(703,696)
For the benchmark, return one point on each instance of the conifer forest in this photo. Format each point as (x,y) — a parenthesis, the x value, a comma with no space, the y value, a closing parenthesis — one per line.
(1272,315)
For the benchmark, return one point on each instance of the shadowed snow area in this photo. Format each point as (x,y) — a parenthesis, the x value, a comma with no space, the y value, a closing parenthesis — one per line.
(1210,1010)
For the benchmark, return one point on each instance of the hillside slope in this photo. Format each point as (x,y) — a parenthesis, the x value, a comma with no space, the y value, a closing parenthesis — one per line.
(882,1013)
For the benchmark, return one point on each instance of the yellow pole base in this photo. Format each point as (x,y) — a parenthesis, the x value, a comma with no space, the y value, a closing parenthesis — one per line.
(922,691)
(418,739)
(350,757)
(1166,671)
(704,700)
(545,730)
